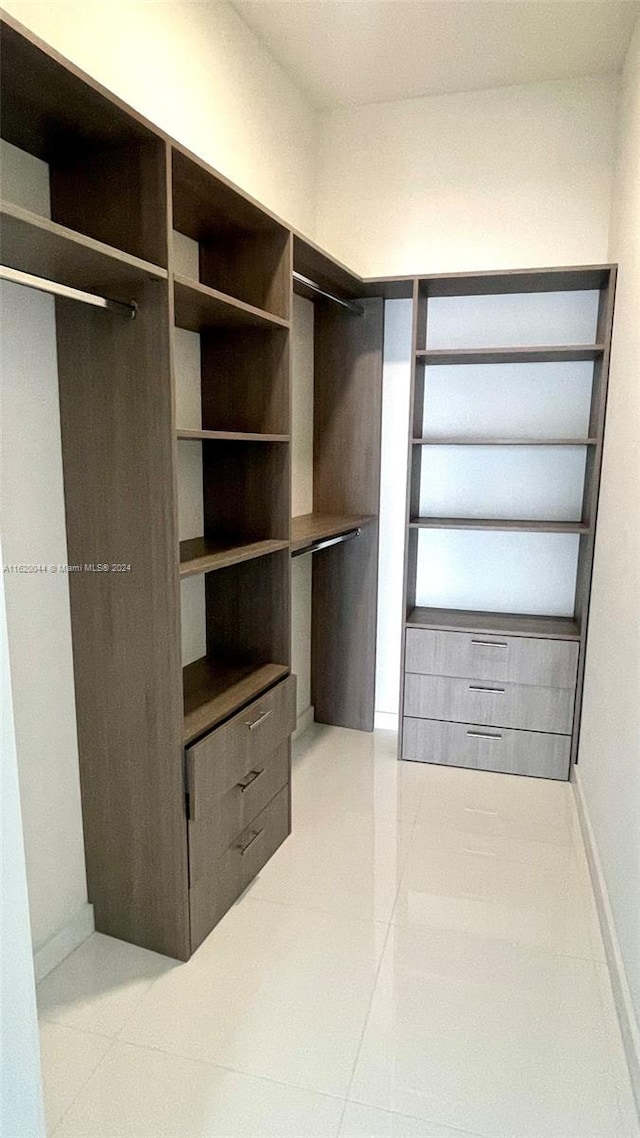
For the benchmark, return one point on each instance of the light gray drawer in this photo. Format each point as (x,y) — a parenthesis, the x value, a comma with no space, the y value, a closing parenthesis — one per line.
(515,659)
(478,701)
(488,749)
(216,881)
(228,761)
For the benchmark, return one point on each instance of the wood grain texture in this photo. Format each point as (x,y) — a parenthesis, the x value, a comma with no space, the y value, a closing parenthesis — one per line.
(491,702)
(485,656)
(36,245)
(220,761)
(218,880)
(248,612)
(117,435)
(471,745)
(597,423)
(207,206)
(51,108)
(526,525)
(198,307)
(203,555)
(306,529)
(347,426)
(230,436)
(245,381)
(513,624)
(479,441)
(562,279)
(256,268)
(246,492)
(215,689)
(117,195)
(539,355)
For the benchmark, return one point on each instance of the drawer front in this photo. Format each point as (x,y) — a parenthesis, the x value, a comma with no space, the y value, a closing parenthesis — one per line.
(219,881)
(214,831)
(478,701)
(514,659)
(236,753)
(488,749)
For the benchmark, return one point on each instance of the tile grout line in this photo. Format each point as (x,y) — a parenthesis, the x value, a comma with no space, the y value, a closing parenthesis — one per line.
(86,1082)
(384,947)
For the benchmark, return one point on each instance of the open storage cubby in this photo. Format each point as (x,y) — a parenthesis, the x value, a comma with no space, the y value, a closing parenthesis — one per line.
(107,168)
(247,641)
(347,404)
(506,428)
(244,254)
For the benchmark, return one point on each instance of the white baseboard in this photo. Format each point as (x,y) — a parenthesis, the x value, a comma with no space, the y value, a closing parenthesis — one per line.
(54,951)
(304,722)
(621,992)
(386,720)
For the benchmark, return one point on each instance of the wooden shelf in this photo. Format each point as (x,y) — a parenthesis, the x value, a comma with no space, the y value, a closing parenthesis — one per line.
(232,436)
(215,689)
(198,307)
(202,555)
(479,441)
(526,525)
(37,245)
(541,355)
(511,624)
(309,528)
(503,281)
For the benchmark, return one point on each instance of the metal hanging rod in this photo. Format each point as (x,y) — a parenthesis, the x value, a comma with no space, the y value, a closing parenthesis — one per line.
(28,280)
(352,305)
(327,542)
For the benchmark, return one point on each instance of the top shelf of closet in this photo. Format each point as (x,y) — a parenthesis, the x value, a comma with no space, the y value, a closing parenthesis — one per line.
(36,245)
(512,355)
(198,307)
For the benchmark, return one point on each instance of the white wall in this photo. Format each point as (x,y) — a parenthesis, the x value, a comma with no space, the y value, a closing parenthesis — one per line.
(609,766)
(21,1109)
(512,177)
(33,526)
(196,70)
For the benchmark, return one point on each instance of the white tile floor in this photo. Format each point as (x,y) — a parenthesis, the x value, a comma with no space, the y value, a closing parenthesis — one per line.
(421,959)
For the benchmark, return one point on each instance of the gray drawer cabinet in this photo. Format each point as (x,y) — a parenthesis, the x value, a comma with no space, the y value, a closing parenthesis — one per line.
(514,659)
(484,748)
(490,702)
(238,784)
(478,701)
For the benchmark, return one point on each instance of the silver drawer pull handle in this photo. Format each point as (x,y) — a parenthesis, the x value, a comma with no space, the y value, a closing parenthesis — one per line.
(478,687)
(255,834)
(259,720)
(490,643)
(483,735)
(248,780)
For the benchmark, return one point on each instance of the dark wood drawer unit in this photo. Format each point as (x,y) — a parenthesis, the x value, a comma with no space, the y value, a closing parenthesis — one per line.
(485,748)
(236,755)
(479,701)
(227,815)
(513,659)
(218,881)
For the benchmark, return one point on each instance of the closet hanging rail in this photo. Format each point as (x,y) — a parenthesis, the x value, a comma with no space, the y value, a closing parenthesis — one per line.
(327,542)
(352,305)
(28,280)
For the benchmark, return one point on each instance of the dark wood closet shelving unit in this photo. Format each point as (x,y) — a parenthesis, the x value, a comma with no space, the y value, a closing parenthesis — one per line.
(524,526)
(153,734)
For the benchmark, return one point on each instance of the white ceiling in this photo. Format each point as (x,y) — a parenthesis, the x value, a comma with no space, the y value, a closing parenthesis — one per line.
(348,52)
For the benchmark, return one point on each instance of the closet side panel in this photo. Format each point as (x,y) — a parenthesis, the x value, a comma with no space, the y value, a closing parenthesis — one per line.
(116,417)
(347,433)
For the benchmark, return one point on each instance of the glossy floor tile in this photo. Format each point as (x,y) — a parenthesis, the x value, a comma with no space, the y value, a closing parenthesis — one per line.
(488,1037)
(69,1058)
(421,959)
(137,1093)
(275,991)
(99,985)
